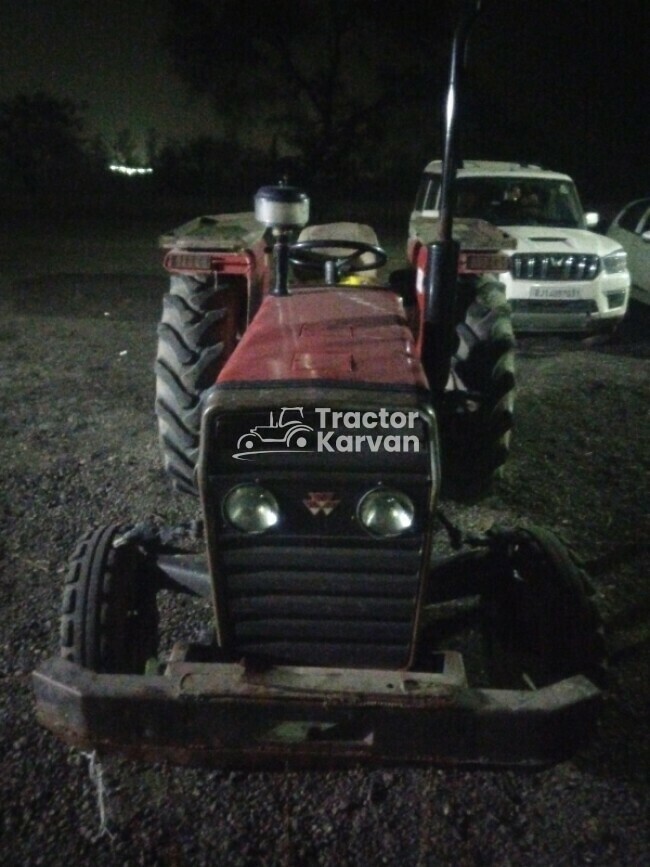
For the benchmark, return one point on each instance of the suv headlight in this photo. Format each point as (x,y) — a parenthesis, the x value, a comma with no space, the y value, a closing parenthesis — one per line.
(386,513)
(251,508)
(615,263)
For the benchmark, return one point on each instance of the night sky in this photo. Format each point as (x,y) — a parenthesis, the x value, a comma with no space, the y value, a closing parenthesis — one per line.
(564,80)
(570,86)
(106,54)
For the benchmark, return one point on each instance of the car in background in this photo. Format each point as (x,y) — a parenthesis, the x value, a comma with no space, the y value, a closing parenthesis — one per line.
(631,229)
(562,276)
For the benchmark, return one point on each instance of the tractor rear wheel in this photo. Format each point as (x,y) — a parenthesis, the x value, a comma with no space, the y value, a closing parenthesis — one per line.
(109,618)
(479,402)
(197,333)
(540,620)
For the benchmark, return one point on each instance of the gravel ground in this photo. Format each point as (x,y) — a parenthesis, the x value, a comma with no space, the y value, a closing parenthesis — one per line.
(78,447)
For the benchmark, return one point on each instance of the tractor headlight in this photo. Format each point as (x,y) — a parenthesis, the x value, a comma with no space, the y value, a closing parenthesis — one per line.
(251,508)
(615,263)
(386,513)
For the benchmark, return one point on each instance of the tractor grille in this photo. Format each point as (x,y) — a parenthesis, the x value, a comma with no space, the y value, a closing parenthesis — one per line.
(543,266)
(318,588)
(311,606)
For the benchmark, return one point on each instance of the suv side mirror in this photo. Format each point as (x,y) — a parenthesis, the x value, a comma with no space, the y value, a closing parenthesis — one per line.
(592,218)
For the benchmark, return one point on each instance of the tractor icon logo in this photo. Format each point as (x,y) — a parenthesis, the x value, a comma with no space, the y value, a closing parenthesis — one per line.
(286,431)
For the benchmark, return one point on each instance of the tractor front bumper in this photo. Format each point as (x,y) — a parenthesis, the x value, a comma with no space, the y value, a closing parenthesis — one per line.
(232,715)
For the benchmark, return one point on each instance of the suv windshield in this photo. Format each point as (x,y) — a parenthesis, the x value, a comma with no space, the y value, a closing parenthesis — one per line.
(510,201)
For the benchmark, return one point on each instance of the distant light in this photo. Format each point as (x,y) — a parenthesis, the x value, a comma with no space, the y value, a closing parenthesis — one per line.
(129,170)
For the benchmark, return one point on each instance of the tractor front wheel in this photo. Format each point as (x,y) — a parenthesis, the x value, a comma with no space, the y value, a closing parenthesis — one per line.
(109,618)
(540,620)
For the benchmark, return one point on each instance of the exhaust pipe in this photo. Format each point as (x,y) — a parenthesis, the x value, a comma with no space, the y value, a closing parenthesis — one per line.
(439,327)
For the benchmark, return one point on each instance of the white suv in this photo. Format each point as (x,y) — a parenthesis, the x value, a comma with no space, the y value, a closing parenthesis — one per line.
(562,277)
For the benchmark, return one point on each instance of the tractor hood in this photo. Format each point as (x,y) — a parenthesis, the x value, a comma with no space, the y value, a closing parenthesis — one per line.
(328,334)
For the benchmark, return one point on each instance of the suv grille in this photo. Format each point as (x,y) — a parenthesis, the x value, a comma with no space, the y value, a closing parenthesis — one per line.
(543,266)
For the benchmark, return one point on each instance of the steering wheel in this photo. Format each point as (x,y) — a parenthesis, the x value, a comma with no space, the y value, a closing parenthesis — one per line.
(305,254)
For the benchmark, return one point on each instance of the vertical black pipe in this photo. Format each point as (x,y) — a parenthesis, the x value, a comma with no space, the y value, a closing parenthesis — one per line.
(281,256)
(439,327)
(450,156)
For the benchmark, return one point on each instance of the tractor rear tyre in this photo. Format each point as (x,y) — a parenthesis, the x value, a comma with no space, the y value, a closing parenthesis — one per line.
(540,620)
(479,402)
(109,618)
(197,333)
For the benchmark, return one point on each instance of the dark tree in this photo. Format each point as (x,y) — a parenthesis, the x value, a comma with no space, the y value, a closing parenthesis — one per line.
(200,165)
(331,83)
(125,148)
(41,141)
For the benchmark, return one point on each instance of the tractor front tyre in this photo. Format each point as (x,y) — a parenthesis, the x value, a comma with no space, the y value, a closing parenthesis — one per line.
(478,406)
(540,620)
(197,333)
(109,617)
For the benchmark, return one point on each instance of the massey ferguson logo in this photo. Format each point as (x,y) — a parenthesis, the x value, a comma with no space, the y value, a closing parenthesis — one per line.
(336,431)
(321,502)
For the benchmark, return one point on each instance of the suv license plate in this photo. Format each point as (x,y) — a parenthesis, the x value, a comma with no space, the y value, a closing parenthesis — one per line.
(555,293)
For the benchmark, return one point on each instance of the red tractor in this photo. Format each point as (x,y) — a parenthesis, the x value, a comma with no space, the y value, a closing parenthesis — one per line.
(327,563)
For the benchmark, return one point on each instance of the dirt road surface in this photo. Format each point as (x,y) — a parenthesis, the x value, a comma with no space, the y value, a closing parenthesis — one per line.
(78,447)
